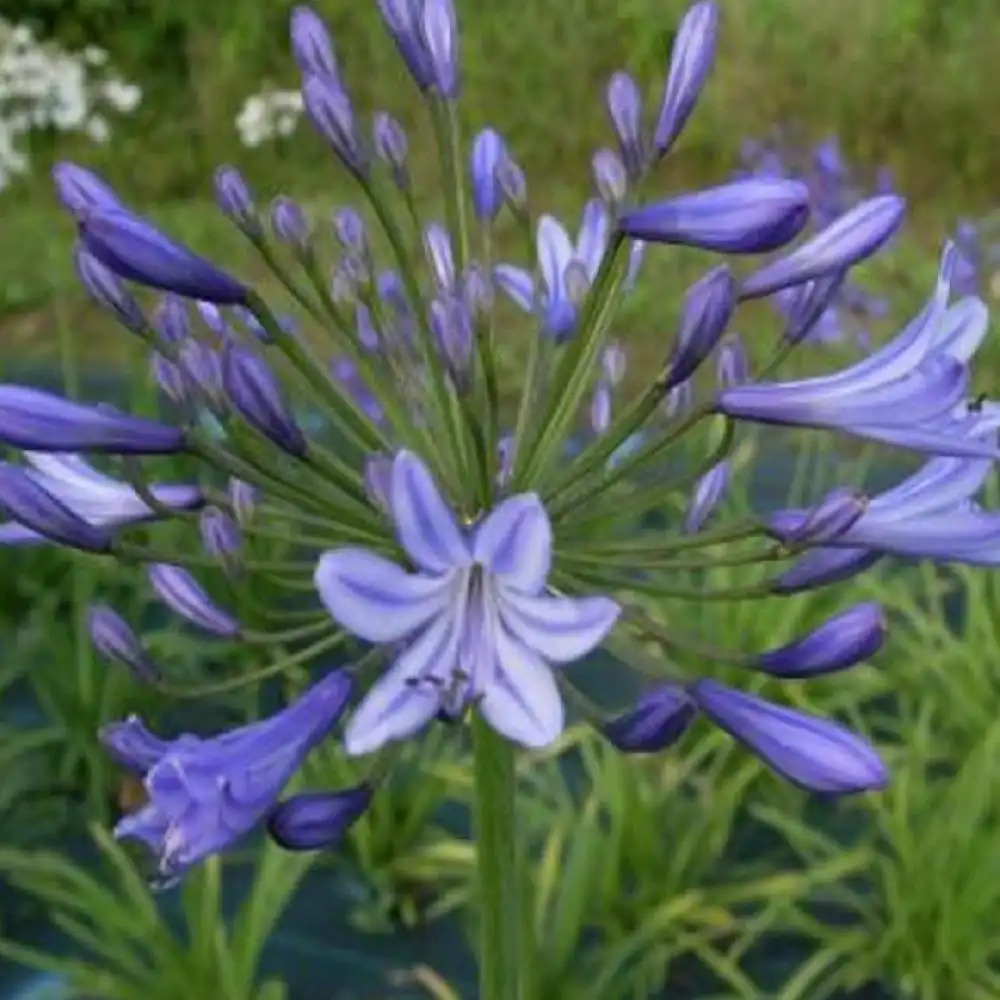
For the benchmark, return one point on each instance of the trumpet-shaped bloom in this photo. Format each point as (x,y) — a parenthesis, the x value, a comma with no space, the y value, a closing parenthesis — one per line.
(908,393)
(97,499)
(204,794)
(567,269)
(476,623)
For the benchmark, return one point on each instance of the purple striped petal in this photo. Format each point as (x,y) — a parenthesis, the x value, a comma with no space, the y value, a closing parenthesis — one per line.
(963,329)
(514,541)
(555,253)
(815,754)
(561,629)
(374,598)
(425,525)
(708,493)
(517,283)
(658,720)
(840,642)
(756,215)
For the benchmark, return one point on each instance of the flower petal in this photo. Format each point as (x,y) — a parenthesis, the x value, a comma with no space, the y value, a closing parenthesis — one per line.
(561,629)
(521,701)
(517,283)
(593,236)
(375,599)
(408,695)
(425,525)
(515,542)
(555,251)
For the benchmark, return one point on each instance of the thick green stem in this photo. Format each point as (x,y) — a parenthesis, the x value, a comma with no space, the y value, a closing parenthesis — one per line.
(497,859)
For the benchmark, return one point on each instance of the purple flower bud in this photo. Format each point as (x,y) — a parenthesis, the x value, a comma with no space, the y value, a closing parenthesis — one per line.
(27,502)
(170,378)
(232,195)
(707,309)
(625,110)
(658,720)
(452,327)
(40,421)
(855,235)
(81,191)
(439,30)
(756,215)
(171,320)
(477,292)
(105,288)
(402,18)
(312,46)
(349,228)
(708,492)
(437,245)
(329,109)
(257,397)
(182,593)
(202,366)
(600,408)
(809,303)
(220,535)
(313,820)
(812,753)
(391,147)
(368,336)
(488,151)
(610,176)
(840,642)
(115,641)
(211,315)
(835,514)
(512,183)
(243,498)
(289,223)
(505,455)
(732,367)
(823,567)
(690,63)
(134,249)
(378,480)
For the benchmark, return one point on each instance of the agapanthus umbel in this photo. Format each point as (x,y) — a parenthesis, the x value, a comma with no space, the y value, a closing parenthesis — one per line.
(478,532)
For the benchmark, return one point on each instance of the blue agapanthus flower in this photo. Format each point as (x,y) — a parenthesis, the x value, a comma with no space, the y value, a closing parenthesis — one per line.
(468,524)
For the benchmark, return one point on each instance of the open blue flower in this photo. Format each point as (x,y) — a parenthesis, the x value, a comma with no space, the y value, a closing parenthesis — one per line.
(476,622)
(204,794)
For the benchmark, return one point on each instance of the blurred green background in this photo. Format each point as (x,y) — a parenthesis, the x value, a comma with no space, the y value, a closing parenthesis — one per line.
(695,875)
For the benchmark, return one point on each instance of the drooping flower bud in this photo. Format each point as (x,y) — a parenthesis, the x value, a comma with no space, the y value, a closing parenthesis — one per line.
(658,720)
(313,820)
(233,196)
(705,314)
(182,593)
(107,290)
(114,640)
(257,396)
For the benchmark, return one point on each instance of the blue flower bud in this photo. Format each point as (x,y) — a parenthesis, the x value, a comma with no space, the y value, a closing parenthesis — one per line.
(220,536)
(313,820)
(488,150)
(513,184)
(452,327)
(312,46)
(368,336)
(329,109)
(134,249)
(690,63)
(732,366)
(40,421)
(349,228)
(835,514)
(105,288)
(812,753)
(289,223)
(756,215)
(256,395)
(82,191)
(27,502)
(705,314)
(610,176)
(840,642)
(809,303)
(437,245)
(243,498)
(658,720)
(202,365)
(171,320)
(439,29)
(391,147)
(822,567)
(625,110)
(233,196)
(402,18)
(855,235)
(182,593)
(170,378)
(708,492)
(114,640)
